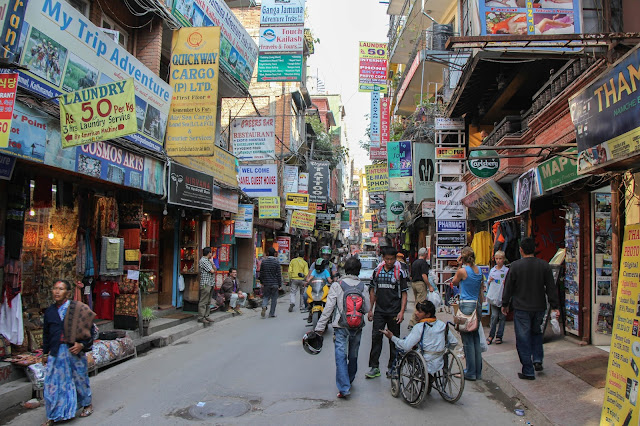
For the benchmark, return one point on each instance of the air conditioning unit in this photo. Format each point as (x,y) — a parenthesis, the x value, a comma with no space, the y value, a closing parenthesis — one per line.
(112,34)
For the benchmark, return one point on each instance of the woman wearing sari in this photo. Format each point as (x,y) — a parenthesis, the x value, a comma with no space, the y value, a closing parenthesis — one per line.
(67,336)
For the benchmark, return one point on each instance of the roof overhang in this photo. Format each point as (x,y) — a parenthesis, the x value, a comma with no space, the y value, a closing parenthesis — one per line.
(505,42)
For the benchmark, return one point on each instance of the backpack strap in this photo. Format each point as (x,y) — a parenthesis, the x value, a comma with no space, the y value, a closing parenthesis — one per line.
(422,334)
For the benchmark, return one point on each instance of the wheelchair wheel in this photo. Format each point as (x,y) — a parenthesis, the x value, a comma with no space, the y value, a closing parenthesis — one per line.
(413,378)
(395,387)
(450,380)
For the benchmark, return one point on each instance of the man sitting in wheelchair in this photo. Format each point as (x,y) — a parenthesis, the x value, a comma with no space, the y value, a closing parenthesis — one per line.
(430,337)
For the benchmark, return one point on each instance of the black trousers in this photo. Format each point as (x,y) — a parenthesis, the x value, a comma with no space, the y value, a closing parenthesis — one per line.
(381,320)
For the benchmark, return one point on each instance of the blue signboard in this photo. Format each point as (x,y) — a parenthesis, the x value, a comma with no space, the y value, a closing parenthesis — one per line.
(7,164)
(451,225)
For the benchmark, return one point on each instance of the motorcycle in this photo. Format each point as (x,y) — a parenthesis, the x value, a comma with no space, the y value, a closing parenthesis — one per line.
(317,292)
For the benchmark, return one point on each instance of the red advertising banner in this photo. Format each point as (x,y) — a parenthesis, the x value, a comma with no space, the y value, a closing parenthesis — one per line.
(385,125)
(8,87)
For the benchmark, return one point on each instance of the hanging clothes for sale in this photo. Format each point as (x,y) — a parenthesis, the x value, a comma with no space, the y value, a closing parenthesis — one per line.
(482,246)
(105,292)
(126,313)
(11,325)
(106,218)
(112,256)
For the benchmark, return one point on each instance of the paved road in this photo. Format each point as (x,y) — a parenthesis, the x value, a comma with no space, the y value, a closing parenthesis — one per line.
(258,365)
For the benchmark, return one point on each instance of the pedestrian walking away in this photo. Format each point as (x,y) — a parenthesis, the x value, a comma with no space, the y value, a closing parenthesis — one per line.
(388,295)
(469,277)
(347,336)
(298,271)
(207,281)
(494,297)
(232,293)
(271,281)
(528,287)
(420,281)
(67,335)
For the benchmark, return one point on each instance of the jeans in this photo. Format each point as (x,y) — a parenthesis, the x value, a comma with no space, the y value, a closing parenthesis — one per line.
(270,293)
(297,286)
(420,295)
(347,345)
(381,320)
(497,319)
(471,345)
(527,326)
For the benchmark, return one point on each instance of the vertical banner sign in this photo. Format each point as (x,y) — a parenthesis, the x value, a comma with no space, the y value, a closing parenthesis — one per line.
(191,130)
(373,67)
(254,138)
(374,120)
(319,181)
(621,391)
(449,204)
(303,183)
(244,221)
(400,166)
(284,250)
(385,121)
(290,179)
(377,178)
(524,189)
(532,18)
(425,176)
(268,207)
(8,88)
(98,113)
(12,14)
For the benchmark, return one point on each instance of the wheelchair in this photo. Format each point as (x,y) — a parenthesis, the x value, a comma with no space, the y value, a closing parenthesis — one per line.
(410,377)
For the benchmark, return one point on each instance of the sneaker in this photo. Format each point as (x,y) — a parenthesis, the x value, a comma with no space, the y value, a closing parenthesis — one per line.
(291,307)
(264,312)
(374,372)
(525,377)
(538,366)
(272,316)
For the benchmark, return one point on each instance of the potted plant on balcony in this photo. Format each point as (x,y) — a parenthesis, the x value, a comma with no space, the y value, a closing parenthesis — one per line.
(147,317)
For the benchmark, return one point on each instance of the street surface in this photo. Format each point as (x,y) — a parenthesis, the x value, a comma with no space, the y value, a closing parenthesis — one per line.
(256,369)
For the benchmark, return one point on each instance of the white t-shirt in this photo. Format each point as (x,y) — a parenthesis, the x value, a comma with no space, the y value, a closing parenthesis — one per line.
(494,295)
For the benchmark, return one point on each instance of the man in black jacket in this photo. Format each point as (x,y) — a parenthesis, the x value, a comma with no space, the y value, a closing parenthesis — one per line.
(528,286)
(271,280)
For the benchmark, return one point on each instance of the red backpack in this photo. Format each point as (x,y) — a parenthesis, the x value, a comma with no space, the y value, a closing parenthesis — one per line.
(352,315)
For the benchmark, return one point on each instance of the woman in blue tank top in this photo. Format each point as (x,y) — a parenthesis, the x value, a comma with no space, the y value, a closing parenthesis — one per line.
(469,278)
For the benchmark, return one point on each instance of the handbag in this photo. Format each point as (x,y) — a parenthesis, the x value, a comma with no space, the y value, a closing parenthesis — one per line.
(466,323)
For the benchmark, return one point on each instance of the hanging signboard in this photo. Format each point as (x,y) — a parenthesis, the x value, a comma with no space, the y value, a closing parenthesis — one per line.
(449,197)
(12,15)
(488,201)
(195,65)
(254,138)
(350,204)
(373,67)
(82,56)
(400,166)
(620,405)
(529,18)
(244,221)
(290,179)
(391,227)
(188,187)
(303,183)
(269,207)
(448,153)
(319,181)
(98,113)
(448,252)
(428,208)
(238,51)
(8,88)
(377,177)
(284,250)
(7,164)
(444,123)
(451,226)
(376,201)
(483,167)
(451,239)
(276,39)
(225,199)
(297,201)
(524,188)
(374,120)
(425,176)
(259,181)
(385,121)
(222,166)
(303,220)
(559,170)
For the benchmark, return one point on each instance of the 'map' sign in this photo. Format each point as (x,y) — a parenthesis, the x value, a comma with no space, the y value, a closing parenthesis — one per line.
(259,181)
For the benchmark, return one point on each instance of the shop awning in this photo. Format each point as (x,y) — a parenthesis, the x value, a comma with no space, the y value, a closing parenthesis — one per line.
(488,201)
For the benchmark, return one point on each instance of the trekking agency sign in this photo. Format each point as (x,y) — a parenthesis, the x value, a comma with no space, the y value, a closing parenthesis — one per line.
(82,56)
(191,131)
(621,391)
(254,138)
(400,166)
(377,177)
(98,113)
(373,67)
(259,181)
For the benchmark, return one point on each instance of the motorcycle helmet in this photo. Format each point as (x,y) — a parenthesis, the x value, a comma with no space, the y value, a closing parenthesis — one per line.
(312,342)
(321,265)
(325,250)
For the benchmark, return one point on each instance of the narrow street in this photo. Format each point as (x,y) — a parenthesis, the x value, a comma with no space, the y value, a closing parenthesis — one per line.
(256,369)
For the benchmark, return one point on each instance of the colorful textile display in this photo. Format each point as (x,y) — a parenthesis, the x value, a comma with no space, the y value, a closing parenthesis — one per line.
(127,304)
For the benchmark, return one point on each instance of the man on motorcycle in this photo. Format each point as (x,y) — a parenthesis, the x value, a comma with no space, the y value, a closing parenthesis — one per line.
(347,340)
(316,302)
(325,253)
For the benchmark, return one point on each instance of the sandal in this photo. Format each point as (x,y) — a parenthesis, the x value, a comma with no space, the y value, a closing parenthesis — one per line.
(48,423)
(87,411)
(498,340)
(489,340)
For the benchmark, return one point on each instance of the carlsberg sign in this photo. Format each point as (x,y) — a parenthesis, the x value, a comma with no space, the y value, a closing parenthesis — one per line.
(483,167)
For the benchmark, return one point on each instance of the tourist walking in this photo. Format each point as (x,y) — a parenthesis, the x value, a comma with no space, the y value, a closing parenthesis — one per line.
(528,287)
(271,280)
(494,297)
(207,281)
(298,271)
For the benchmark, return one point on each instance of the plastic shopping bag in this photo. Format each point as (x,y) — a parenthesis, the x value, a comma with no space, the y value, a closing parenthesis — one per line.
(435,298)
(483,340)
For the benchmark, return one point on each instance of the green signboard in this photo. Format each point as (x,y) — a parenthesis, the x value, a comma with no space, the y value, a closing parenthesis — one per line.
(483,167)
(559,170)
(279,68)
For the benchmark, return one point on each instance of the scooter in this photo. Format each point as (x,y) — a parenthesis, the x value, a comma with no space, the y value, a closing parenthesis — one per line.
(317,292)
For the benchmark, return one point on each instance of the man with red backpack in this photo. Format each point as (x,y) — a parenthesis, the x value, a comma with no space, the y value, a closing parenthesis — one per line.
(348,297)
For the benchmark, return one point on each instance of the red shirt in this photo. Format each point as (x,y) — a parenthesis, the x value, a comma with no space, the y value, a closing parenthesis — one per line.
(105,305)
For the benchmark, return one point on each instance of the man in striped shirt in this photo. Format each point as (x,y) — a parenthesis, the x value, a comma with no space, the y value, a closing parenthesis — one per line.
(207,281)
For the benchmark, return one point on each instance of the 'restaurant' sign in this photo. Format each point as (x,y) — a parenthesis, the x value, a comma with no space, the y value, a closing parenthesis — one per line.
(190,188)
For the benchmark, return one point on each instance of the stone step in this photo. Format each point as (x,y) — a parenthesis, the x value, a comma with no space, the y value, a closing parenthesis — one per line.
(10,373)
(14,393)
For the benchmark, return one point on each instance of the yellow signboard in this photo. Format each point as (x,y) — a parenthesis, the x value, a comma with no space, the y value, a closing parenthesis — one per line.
(377,177)
(313,208)
(297,201)
(222,166)
(391,227)
(269,207)
(444,153)
(191,129)
(98,113)
(303,220)
(621,392)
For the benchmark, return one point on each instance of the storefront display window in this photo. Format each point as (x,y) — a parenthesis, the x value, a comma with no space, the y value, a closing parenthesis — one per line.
(602,266)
